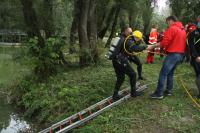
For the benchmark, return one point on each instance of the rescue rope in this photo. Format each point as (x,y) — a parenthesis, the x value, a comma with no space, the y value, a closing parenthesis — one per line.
(190,96)
(182,83)
(137,53)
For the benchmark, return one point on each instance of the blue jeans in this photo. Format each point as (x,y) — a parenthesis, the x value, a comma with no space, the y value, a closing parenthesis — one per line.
(167,72)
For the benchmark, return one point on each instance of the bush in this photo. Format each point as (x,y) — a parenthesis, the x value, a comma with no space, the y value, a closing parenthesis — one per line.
(45,60)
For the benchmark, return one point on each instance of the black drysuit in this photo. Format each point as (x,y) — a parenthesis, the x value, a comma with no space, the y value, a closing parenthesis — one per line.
(194,44)
(121,63)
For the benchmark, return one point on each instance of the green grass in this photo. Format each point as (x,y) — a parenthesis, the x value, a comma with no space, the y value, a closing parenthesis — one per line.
(172,114)
(9,70)
(75,89)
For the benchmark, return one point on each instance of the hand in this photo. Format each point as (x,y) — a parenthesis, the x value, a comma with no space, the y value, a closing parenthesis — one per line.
(198,59)
(150,47)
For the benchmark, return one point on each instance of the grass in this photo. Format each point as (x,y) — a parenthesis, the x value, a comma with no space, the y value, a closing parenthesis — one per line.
(172,114)
(9,70)
(75,89)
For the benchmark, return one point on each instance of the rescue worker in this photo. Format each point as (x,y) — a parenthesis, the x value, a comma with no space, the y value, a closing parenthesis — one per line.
(194,44)
(174,42)
(153,39)
(121,61)
(189,28)
(135,59)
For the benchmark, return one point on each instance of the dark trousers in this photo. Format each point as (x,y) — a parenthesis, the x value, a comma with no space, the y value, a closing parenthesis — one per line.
(121,70)
(137,61)
(187,54)
(196,67)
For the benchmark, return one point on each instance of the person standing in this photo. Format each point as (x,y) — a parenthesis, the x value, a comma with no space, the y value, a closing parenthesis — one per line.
(194,45)
(174,43)
(153,39)
(121,63)
(189,28)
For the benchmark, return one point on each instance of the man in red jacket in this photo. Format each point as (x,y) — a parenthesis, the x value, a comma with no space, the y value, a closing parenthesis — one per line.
(174,43)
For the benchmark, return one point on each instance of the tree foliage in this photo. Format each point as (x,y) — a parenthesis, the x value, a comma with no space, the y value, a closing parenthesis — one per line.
(185,10)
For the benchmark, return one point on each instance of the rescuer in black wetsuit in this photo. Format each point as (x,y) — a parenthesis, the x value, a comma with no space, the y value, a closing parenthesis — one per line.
(121,61)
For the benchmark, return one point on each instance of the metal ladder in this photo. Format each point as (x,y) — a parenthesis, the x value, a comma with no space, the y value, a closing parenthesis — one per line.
(89,113)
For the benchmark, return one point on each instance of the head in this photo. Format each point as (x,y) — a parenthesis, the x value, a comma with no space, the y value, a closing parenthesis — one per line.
(154,26)
(127,31)
(137,35)
(171,20)
(198,21)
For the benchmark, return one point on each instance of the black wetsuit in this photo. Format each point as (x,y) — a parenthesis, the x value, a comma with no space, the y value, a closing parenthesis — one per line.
(122,66)
(194,44)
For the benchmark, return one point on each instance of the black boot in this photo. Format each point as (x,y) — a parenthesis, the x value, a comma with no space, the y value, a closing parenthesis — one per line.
(135,93)
(116,96)
(141,78)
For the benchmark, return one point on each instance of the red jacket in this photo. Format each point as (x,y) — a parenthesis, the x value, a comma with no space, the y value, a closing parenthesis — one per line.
(174,40)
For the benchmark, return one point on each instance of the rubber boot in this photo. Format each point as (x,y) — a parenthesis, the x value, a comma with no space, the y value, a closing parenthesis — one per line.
(116,96)
(135,93)
(198,84)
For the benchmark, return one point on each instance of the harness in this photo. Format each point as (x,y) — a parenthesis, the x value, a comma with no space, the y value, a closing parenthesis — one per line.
(130,53)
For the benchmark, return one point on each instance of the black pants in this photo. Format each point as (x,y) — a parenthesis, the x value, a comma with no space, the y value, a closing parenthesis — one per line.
(120,71)
(196,67)
(137,61)
(187,54)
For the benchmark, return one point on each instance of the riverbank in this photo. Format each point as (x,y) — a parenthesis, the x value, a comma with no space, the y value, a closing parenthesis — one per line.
(74,89)
(11,119)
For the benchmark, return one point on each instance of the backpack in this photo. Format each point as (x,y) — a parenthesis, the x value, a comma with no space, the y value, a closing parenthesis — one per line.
(112,51)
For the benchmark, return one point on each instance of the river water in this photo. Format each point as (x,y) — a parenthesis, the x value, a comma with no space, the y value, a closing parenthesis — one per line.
(10,120)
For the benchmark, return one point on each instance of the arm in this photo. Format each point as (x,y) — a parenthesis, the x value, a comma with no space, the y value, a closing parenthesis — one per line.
(191,45)
(194,53)
(138,48)
(168,37)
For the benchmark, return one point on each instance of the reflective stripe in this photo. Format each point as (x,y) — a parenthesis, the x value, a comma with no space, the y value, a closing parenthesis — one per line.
(196,42)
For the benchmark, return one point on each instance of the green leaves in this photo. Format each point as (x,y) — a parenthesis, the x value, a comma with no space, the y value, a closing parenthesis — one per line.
(46,59)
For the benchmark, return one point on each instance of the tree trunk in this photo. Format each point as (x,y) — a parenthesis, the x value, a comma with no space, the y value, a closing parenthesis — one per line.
(48,21)
(82,30)
(74,27)
(107,23)
(93,31)
(113,26)
(31,21)
(147,15)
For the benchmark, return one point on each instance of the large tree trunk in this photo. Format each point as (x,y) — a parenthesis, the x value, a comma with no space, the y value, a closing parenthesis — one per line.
(107,23)
(74,27)
(48,21)
(82,30)
(113,26)
(147,16)
(92,25)
(31,21)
